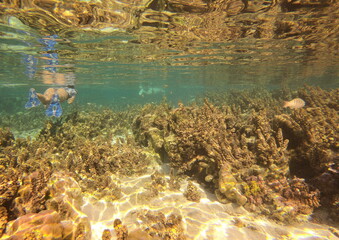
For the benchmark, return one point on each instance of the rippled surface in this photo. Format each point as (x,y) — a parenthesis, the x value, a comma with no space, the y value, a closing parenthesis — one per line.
(171,45)
(123,66)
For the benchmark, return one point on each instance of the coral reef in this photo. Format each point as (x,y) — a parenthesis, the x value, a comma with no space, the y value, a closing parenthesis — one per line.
(246,154)
(18,121)
(6,137)
(192,193)
(32,195)
(3,219)
(120,230)
(313,134)
(278,162)
(162,227)
(70,158)
(106,235)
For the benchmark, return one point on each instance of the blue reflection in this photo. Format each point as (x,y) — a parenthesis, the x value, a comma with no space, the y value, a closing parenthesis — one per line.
(33,100)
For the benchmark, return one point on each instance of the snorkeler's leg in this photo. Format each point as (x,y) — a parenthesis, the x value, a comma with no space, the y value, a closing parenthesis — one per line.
(33,100)
(54,108)
(46,98)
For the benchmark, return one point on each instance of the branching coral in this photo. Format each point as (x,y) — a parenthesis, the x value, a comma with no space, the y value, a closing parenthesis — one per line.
(277,162)
(159,226)
(313,134)
(6,137)
(33,193)
(3,219)
(243,155)
(9,185)
(192,193)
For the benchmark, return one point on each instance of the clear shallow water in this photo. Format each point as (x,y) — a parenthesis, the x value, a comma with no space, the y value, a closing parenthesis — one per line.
(113,69)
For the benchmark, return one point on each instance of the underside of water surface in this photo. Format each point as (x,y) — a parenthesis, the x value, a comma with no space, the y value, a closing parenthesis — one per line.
(169,119)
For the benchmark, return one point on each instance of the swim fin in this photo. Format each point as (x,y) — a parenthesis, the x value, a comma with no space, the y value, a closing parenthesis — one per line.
(33,100)
(54,108)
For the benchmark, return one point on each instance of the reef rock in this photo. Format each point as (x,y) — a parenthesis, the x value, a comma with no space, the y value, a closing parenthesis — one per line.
(44,225)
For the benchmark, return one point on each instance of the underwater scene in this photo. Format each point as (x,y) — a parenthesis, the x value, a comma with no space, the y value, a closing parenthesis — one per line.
(169,119)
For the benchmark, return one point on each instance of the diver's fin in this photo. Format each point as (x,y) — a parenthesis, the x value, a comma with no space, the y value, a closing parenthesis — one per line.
(54,108)
(33,100)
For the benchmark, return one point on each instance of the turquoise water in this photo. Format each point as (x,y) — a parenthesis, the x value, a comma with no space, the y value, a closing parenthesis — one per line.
(113,69)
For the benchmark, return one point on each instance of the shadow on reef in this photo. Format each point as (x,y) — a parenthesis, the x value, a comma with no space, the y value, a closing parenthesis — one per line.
(244,147)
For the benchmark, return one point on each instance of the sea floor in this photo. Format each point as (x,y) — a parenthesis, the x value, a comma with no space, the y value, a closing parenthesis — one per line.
(206,219)
(91,174)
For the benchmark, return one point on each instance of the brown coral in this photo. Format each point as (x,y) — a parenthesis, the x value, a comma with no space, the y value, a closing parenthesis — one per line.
(9,185)
(313,132)
(33,193)
(120,230)
(162,227)
(241,154)
(6,137)
(3,219)
(192,193)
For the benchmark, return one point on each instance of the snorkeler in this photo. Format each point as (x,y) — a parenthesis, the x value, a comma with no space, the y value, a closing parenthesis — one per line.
(63,82)
(52,98)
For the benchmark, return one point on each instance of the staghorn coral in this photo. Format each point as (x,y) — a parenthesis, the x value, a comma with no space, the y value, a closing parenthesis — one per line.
(247,156)
(84,144)
(159,184)
(245,101)
(151,126)
(285,199)
(66,199)
(17,121)
(91,157)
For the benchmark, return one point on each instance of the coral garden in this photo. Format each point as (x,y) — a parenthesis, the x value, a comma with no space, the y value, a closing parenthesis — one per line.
(243,147)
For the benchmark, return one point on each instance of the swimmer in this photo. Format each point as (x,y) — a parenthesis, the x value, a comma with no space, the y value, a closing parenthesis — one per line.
(52,98)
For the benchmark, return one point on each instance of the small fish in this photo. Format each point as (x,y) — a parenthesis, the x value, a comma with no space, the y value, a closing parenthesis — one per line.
(294,103)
